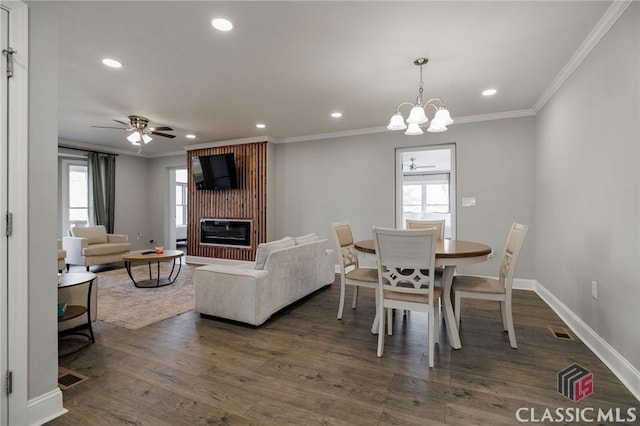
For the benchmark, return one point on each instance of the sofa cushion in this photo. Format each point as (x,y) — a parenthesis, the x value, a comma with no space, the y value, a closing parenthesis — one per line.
(265,248)
(94,234)
(102,249)
(310,238)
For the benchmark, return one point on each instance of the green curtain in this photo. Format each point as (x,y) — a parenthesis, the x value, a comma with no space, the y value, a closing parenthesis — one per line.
(102,188)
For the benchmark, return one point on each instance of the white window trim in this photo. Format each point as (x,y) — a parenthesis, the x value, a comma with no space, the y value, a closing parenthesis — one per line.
(64,191)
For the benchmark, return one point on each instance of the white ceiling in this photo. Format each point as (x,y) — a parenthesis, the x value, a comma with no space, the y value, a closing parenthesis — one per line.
(290,64)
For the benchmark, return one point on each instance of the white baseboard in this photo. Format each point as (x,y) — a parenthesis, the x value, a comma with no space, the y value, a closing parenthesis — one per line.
(45,408)
(624,371)
(524,284)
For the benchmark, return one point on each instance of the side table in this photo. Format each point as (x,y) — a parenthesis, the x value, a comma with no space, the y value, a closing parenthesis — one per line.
(71,279)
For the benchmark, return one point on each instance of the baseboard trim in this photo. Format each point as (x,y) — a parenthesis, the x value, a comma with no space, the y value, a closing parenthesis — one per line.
(45,408)
(624,371)
(524,284)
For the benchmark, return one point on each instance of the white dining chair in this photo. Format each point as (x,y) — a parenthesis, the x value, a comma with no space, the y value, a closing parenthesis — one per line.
(351,273)
(438,224)
(500,289)
(406,275)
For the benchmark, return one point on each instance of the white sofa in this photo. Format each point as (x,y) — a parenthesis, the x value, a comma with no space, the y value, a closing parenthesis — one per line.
(285,270)
(91,245)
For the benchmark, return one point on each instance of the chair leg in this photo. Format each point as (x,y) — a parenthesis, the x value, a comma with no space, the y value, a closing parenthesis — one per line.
(381,321)
(437,322)
(390,321)
(374,326)
(457,307)
(342,296)
(355,297)
(503,314)
(432,331)
(510,329)
(67,267)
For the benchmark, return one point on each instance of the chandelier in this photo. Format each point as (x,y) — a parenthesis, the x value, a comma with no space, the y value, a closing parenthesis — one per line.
(417,116)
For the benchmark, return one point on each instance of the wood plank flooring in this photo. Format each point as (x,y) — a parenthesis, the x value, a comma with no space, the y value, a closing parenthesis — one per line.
(304,367)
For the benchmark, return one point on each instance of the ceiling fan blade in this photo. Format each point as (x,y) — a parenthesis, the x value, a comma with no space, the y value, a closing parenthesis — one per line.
(122,122)
(160,128)
(166,135)
(107,127)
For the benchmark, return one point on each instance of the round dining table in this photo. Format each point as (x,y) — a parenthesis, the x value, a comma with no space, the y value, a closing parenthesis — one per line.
(449,254)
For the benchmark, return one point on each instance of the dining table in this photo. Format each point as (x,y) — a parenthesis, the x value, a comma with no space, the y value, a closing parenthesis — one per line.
(449,255)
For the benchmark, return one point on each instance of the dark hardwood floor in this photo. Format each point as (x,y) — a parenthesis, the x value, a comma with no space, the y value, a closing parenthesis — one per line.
(304,367)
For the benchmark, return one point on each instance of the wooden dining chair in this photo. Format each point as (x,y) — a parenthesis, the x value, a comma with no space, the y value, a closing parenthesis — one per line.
(476,287)
(351,273)
(406,263)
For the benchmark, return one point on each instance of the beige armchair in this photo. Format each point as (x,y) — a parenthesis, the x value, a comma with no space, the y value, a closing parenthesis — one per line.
(92,245)
(62,254)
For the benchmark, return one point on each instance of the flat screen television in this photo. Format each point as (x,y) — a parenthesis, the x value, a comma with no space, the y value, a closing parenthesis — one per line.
(215,171)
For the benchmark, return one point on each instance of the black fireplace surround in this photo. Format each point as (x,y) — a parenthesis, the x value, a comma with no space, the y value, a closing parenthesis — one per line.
(225,232)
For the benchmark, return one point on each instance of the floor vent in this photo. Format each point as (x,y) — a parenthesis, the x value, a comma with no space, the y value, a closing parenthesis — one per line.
(68,379)
(561,333)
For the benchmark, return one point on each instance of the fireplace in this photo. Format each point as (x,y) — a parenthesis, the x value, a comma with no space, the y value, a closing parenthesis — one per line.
(225,232)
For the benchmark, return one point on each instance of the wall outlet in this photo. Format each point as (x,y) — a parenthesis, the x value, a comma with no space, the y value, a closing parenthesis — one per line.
(594,290)
(139,236)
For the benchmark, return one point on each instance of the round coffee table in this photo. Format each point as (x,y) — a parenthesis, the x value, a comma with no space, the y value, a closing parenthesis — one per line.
(150,256)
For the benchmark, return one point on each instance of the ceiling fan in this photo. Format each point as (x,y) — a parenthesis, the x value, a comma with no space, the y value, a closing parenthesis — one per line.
(413,166)
(140,131)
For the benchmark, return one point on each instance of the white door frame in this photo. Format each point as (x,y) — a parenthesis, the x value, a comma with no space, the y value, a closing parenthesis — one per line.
(17,203)
(452,182)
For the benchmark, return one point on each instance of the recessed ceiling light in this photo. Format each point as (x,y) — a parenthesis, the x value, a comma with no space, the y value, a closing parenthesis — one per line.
(260,126)
(111,63)
(489,92)
(222,24)
(336,114)
(190,136)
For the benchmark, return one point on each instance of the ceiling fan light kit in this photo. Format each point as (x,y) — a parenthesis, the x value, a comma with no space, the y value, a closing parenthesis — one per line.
(417,115)
(140,132)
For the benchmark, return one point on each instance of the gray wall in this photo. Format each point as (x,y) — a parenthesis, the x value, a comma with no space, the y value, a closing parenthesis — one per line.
(161,210)
(588,189)
(133,200)
(352,178)
(42,198)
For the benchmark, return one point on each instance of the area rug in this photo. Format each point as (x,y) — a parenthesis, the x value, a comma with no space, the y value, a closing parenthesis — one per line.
(123,304)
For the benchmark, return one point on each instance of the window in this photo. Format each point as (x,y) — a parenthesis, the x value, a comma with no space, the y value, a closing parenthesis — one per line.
(425,185)
(181,197)
(74,193)
(424,194)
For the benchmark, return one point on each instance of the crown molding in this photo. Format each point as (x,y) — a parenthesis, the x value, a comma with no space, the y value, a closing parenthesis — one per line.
(609,18)
(230,142)
(62,143)
(495,116)
(332,135)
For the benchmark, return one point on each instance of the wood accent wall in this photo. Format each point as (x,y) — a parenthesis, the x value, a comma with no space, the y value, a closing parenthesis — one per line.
(249,201)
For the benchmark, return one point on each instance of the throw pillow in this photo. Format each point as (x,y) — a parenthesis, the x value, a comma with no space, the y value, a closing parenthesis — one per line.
(95,234)
(306,239)
(265,248)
